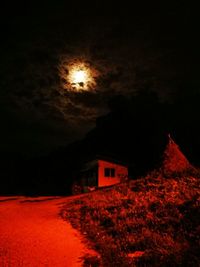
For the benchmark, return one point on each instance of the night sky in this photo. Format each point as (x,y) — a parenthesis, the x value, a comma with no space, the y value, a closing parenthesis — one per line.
(131,47)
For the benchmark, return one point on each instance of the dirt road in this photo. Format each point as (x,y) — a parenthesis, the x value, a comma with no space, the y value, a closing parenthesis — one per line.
(32,234)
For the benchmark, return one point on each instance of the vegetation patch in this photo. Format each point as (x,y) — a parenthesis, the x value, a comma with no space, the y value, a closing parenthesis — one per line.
(153,221)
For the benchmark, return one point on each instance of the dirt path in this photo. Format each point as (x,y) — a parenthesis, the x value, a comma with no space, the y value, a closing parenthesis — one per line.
(32,234)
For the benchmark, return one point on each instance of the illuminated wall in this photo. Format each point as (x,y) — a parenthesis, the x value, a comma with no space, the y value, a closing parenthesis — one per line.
(106,175)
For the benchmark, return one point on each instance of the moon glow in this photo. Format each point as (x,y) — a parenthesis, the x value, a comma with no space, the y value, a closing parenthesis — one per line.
(81,77)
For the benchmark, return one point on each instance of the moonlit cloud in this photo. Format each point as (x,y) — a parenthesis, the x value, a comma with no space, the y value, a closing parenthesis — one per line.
(37,88)
(126,52)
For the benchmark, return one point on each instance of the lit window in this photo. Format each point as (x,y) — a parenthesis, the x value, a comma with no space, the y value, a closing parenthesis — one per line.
(109,172)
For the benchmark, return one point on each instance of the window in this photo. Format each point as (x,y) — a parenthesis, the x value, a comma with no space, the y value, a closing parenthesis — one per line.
(109,172)
(112,172)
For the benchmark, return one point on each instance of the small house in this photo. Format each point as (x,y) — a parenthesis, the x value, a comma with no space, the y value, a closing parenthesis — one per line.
(102,172)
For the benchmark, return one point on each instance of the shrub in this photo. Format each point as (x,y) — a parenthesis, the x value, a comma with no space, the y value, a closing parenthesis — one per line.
(148,222)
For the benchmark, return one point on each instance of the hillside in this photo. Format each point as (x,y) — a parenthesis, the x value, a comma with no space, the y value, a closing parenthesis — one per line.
(153,221)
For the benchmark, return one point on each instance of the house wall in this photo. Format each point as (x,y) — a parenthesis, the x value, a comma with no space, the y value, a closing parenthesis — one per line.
(120,173)
(89,177)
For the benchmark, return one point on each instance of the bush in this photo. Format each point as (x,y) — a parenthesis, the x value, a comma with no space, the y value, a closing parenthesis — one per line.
(148,222)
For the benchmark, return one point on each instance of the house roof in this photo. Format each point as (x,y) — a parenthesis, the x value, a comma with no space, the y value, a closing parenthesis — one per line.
(111,159)
(93,161)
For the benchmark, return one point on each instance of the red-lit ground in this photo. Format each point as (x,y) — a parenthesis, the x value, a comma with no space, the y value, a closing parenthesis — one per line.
(32,234)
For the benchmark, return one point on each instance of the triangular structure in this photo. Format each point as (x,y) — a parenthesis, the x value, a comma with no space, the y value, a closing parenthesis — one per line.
(174,160)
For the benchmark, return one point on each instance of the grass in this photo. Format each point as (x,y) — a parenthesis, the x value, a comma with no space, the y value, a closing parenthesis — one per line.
(152,221)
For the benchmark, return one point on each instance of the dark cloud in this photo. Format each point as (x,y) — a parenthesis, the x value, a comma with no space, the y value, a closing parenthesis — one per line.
(132,48)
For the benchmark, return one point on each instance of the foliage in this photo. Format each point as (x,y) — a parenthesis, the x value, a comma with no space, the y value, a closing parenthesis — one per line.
(152,221)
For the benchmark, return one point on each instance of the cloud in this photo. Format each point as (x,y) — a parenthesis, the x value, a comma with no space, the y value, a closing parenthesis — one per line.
(35,88)
(127,54)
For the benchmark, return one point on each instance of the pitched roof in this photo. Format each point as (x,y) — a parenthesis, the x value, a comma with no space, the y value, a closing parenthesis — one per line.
(92,161)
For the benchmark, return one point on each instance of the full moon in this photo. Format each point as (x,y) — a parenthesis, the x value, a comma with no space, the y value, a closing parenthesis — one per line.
(79,76)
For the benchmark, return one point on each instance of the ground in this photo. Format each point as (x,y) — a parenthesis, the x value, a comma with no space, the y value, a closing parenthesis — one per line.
(32,234)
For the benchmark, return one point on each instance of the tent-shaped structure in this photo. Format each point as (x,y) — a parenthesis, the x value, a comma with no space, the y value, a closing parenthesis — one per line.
(174,160)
